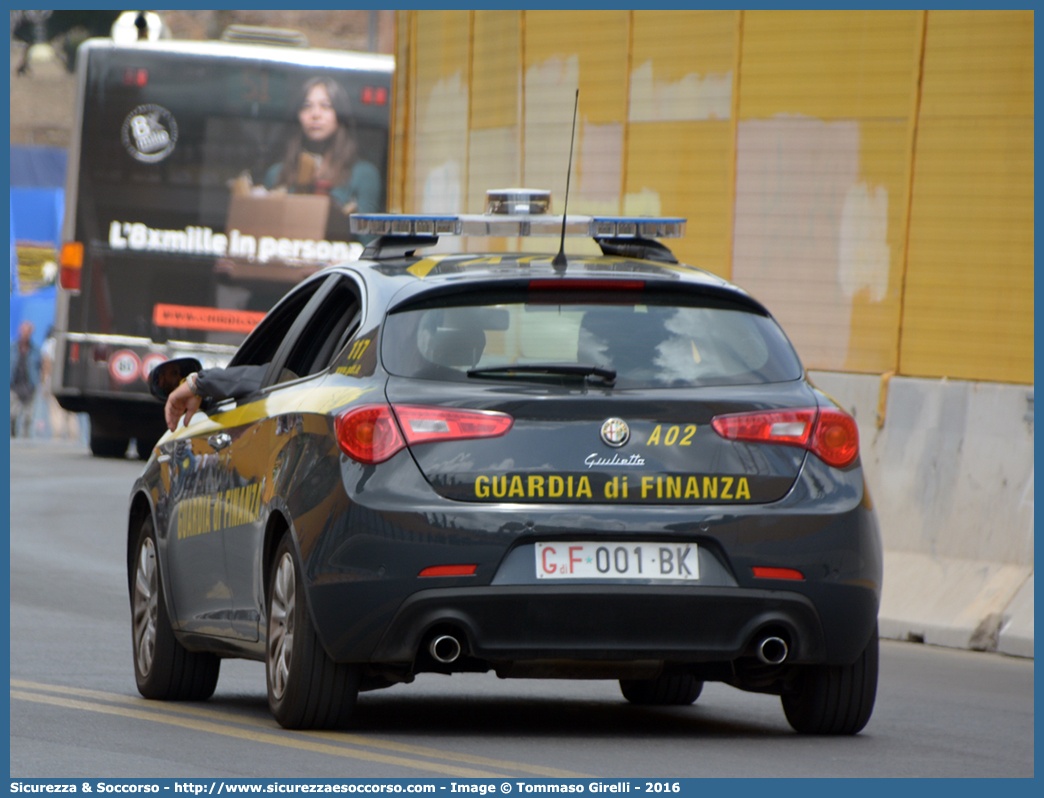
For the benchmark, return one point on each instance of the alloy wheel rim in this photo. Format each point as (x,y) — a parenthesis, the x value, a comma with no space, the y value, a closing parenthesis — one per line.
(281,626)
(146,607)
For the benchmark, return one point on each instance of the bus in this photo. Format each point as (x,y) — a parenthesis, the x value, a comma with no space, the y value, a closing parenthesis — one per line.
(182,225)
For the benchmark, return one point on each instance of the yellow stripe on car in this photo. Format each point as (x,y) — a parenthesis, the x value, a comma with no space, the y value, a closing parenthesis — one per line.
(319,399)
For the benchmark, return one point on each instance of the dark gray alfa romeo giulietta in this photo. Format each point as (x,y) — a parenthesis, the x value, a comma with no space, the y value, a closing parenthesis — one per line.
(604,466)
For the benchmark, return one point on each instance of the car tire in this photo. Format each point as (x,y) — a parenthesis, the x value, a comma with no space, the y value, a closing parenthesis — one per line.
(163,668)
(306,689)
(834,699)
(104,446)
(677,690)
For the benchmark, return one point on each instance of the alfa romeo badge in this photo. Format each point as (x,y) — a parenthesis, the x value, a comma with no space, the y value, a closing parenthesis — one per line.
(615,432)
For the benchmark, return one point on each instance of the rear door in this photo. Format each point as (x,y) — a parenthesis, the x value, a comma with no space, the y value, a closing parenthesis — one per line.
(277,445)
(643,436)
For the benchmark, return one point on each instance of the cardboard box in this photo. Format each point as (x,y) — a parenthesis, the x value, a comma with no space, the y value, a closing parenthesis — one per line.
(300,216)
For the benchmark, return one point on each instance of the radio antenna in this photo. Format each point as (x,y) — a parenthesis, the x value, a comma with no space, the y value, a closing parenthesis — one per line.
(560,259)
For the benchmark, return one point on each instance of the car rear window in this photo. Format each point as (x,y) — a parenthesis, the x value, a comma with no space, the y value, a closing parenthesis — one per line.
(651,341)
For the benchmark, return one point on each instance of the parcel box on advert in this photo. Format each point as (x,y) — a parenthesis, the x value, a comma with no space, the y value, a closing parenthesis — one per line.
(294,216)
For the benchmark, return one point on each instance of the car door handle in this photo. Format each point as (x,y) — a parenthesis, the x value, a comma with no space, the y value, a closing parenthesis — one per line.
(219,441)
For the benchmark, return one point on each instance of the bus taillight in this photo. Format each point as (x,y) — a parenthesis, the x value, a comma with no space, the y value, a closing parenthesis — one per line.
(136,77)
(374,95)
(72,265)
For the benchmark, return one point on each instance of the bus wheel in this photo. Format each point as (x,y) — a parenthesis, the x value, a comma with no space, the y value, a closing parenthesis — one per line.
(102,446)
(146,443)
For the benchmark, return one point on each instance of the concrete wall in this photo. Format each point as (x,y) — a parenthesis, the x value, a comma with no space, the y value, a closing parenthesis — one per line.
(950,469)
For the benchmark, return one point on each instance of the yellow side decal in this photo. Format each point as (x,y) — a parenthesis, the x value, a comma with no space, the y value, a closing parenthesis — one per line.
(422,267)
(215,511)
(325,399)
(306,399)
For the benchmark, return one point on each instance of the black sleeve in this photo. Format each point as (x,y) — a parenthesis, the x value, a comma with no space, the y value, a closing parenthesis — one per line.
(230,383)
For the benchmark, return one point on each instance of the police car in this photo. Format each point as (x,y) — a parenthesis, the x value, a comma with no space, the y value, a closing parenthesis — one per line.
(600,466)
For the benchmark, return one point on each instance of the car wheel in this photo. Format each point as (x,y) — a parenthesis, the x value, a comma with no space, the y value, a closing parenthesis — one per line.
(678,690)
(834,699)
(163,668)
(104,446)
(306,689)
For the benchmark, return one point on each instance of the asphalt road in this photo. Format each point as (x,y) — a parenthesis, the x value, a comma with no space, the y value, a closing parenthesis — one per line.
(75,710)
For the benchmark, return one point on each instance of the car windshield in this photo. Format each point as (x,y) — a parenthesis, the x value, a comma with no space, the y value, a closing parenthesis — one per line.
(650,342)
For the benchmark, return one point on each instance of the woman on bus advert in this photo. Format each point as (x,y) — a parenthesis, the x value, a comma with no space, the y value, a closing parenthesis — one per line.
(322,157)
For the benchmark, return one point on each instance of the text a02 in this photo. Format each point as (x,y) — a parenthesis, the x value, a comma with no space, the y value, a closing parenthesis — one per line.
(617,560)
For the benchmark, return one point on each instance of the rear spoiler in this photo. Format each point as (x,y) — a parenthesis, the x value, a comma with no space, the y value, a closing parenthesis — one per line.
(420,295)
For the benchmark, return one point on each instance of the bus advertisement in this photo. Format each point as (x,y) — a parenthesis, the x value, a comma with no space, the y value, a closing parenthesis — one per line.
(205,179)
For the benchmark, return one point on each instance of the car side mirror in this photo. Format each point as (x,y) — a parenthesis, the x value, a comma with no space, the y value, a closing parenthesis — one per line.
(167,376)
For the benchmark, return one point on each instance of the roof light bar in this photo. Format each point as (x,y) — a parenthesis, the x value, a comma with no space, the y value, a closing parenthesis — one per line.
(516,212)
(637,227)
(394,224)
(508,201)
(510,225)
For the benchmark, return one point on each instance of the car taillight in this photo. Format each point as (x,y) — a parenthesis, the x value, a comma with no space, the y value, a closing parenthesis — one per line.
(574,284)
(448,570)
(371,435)
(422,424)
(761,572)
(836,437)
(368,434)
(829,433)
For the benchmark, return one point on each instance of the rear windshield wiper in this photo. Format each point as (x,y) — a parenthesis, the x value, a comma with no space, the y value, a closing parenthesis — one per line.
(565,369)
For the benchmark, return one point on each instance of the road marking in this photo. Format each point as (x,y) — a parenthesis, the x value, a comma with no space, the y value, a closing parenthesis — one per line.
(257,737)
(215,714)
(418,750)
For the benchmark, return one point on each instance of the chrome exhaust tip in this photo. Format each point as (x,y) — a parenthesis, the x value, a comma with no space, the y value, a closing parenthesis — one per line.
(445,649)
(772,650)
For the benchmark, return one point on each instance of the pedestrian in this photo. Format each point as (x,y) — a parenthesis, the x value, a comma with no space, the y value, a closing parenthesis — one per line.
(63,424)
(25,376)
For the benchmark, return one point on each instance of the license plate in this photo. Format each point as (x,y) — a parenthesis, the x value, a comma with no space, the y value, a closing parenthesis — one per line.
(593,560)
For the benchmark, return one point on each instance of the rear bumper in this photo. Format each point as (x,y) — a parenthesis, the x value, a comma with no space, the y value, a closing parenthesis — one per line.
(369,605)
(138,405)
(588,622)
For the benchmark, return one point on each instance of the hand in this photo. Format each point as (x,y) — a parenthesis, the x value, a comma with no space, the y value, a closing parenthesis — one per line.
(181,403)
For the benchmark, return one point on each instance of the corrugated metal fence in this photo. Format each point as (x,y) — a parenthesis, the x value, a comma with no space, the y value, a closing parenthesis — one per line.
(866,174)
